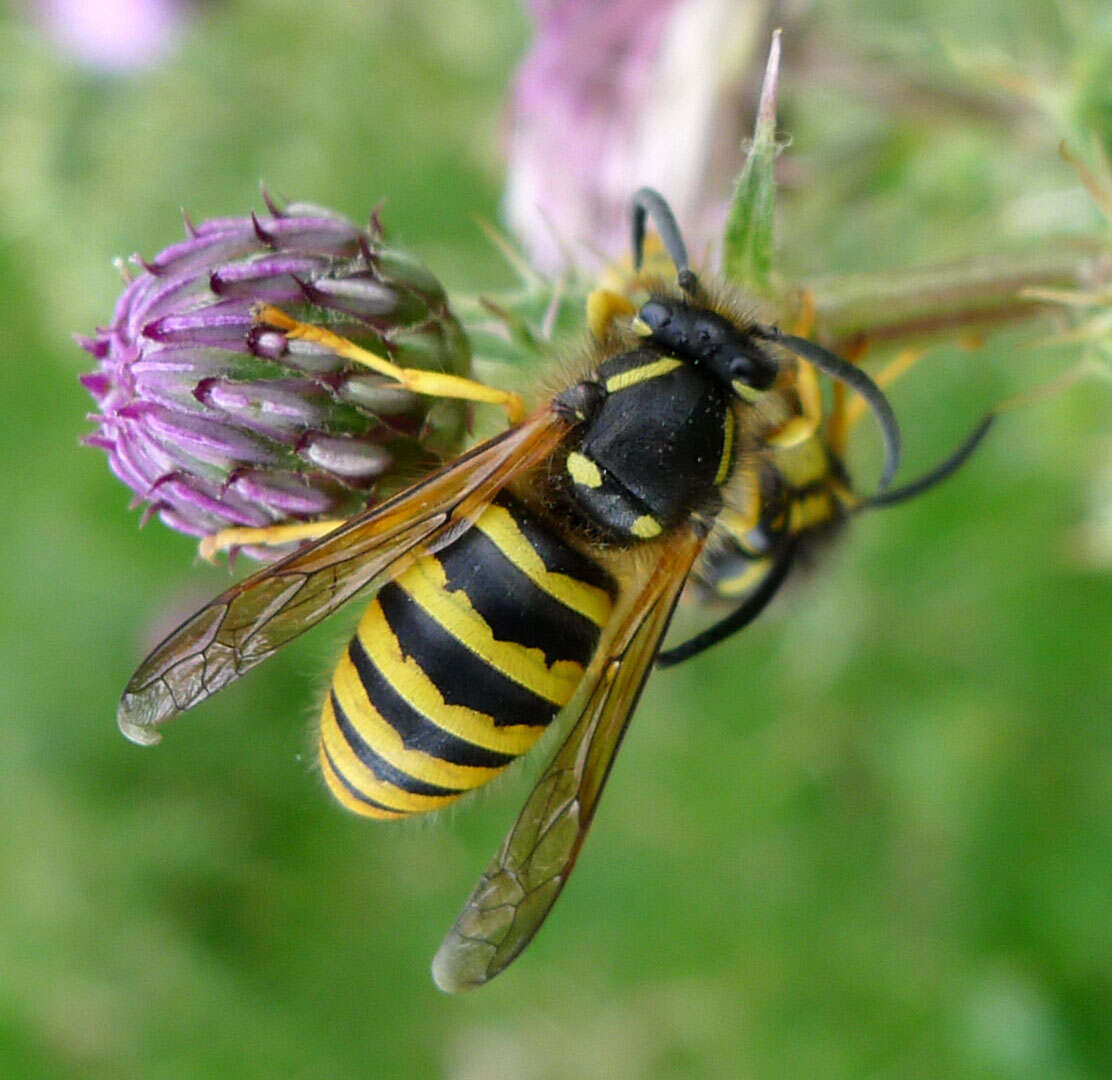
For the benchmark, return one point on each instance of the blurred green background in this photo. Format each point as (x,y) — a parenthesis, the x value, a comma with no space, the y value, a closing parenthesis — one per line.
(872,837)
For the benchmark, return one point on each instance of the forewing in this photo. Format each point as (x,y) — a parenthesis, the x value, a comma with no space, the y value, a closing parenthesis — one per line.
(253,619)
(515,894)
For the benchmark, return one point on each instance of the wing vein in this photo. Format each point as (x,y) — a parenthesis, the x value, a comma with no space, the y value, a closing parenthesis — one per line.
(531,867)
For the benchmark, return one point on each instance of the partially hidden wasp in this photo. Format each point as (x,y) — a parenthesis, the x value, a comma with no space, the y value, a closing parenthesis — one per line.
(537,573)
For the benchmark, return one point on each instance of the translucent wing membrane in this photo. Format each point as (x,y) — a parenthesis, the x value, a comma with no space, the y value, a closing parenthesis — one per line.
(252,620)
(515,894)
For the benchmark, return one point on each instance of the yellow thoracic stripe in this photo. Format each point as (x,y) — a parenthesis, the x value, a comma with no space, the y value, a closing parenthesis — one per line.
(593,603)
(362,778)
(345,797)
(387,743)
(656,368)
(426,584)
(727,448)
(645,527)
(411,683)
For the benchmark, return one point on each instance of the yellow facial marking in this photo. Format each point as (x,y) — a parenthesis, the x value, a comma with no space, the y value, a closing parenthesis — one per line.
(745,391)
(639,374)
(645,527)
(583,470)
(641,328)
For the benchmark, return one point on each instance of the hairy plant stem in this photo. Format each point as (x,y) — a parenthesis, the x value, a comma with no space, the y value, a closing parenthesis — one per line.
(900,305)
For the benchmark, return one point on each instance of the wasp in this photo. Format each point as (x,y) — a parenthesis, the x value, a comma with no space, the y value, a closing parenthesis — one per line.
(536,575)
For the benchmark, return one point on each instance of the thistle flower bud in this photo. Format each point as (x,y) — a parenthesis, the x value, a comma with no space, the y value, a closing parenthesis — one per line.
(215,421)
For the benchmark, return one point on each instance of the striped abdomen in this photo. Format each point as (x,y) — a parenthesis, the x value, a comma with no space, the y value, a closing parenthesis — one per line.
(459,664)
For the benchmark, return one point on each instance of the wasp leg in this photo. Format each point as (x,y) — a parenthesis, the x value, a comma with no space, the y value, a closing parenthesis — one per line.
(603,307)
(856,379)
(835,430)
(899,365)
(264,536)
(739,522)
(433,383)
(805,317)
(740,617)
(734,586)
(800,428)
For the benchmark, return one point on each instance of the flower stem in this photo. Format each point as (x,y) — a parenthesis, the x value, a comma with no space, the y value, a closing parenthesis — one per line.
(894,306)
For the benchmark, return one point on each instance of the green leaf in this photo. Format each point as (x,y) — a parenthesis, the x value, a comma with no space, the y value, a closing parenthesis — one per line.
(747,245)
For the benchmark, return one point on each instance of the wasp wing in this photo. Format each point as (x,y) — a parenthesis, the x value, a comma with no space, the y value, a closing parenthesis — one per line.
(515,894)
(253,619)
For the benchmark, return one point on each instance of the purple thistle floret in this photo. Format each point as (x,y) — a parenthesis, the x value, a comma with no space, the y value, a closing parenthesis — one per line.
(614,96)
(216,421)
(116,36)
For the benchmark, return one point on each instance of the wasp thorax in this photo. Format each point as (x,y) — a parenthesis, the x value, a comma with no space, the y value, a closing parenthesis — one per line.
(702,336)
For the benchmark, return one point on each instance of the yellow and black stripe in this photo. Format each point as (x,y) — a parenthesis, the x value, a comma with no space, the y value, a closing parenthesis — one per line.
(460,663)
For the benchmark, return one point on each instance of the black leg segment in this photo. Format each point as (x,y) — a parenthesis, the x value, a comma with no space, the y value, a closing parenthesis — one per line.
(740,617)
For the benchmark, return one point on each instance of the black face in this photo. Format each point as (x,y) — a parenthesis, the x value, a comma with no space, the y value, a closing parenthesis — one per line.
(733,355)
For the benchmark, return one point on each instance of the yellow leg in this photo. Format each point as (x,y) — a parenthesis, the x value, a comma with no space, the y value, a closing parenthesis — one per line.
(902,362)
(266,536)
(800,428)
(434,383)
(836,421)
(837,434)
(603,307)
(740,523)
(741,516)
(805,319)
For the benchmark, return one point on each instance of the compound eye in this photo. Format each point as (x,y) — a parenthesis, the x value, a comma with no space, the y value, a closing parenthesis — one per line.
(740,367)
(654,315)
